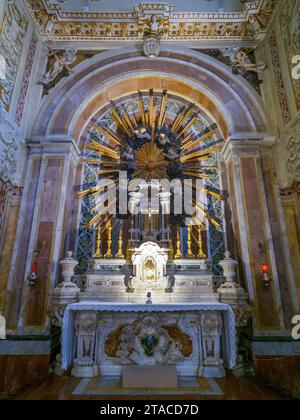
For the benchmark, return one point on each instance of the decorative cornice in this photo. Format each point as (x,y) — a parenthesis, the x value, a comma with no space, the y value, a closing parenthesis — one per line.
(57,25)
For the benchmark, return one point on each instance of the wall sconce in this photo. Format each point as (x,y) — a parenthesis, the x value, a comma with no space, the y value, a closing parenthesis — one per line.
(266,277)
(33,275)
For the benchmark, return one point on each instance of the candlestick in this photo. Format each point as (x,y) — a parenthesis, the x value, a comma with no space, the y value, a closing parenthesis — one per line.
(120,242)
(109,241)
(178,243)
(201,253)
(189,242)
(98,243)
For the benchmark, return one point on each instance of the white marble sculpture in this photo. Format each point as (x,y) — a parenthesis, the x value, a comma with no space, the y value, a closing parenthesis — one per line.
(241,61)
(58,61)
(149,268)
(146,342)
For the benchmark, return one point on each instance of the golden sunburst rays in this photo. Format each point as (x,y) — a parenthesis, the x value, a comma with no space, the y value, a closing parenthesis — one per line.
(150,163)
(100,162)
(96,218)
(204,212)
(103,150)
(162,113)
(142,109)
(182,118)
(192,144)
(109,134)
(196,174)
(201,154)
(206,191)
(150,160)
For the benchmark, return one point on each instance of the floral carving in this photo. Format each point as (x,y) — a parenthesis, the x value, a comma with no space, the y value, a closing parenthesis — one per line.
(8,152)
(293,148)
(147,342)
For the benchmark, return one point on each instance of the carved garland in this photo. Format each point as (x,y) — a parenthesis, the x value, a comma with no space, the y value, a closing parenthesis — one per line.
(58,25)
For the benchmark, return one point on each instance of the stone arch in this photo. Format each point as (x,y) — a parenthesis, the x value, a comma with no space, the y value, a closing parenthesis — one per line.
(228,99)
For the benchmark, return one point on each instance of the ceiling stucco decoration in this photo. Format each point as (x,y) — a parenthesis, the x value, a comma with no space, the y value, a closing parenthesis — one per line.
(58,23)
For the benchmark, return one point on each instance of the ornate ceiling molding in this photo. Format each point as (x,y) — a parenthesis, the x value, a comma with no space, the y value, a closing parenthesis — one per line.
(57,25)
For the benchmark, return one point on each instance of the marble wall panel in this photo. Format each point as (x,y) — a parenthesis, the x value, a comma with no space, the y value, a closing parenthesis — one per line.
(272,202)
(8,240)
(14,295)
(266,313)
(36,307)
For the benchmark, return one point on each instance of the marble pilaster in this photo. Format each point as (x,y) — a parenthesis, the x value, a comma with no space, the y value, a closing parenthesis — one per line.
(43,217)
(260,235)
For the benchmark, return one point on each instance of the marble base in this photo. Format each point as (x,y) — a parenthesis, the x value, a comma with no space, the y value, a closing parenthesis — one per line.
(85,371)
(107,281)
(149,377)
(239,371)
(213,372)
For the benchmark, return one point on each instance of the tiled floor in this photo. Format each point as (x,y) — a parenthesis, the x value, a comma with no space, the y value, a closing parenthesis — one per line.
(56,388)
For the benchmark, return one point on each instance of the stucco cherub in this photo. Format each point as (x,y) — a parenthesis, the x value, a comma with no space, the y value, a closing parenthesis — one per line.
(58,62)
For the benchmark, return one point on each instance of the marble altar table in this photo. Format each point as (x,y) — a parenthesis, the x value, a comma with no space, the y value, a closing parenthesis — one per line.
(100,338)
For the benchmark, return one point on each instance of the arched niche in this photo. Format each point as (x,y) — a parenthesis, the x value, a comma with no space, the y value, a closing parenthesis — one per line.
(228,99)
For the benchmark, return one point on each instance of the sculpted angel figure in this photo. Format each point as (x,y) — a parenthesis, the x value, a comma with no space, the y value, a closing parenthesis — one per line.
(142,136)
(128,160)
(294,23)
(163,140)
(241,61)
(58,63)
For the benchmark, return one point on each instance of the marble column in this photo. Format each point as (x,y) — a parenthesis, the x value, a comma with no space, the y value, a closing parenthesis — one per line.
(44,225)
(259,230)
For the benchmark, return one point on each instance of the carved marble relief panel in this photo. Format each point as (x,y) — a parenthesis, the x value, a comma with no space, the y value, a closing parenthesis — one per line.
(293,148)
(289,20)
(13,31)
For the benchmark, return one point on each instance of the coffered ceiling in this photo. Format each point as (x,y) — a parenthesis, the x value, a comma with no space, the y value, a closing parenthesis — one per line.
(118,20)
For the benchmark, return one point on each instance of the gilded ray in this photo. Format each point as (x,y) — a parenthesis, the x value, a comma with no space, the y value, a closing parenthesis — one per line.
(91,190)
(107,171)
(100,162)
(162,113)
(109,134)
(208,217)
(194,143)
(98,215)
(196,174)
(128,121)
(181,119)
(201,153)
(122,124)
(187,127)
(142,109)
(208,192)
(103,150)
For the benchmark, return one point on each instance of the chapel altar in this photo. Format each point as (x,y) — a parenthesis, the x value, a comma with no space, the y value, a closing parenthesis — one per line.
(149,311)
(146,293)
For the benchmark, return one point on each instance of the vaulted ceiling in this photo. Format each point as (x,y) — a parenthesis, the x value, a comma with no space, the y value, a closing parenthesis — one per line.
(128,5)
(119,20)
